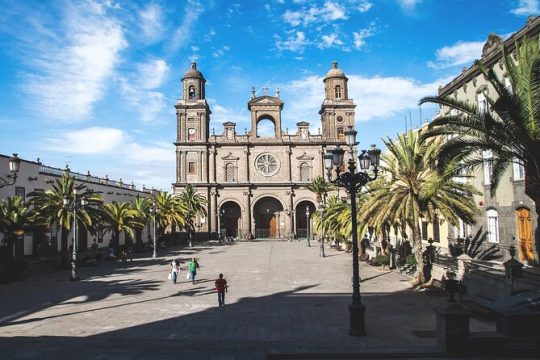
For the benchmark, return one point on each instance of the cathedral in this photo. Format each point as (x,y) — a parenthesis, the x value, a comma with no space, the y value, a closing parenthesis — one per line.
(255,182)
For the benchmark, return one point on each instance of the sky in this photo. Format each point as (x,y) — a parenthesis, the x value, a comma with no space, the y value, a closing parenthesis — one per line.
(93,83)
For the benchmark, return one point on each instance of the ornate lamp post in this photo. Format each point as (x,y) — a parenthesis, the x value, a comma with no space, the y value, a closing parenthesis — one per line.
(153,211)
(354,181)
(78,202)
(14,166)
(307,226)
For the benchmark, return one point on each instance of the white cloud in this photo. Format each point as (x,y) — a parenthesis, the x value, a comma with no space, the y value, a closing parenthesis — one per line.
(152,74)
(147,103)
(364,6)
(182,35)
(330,11)
(361,36)
(72,68)
(375,97)
(152,21)
(93,140)
(295,43)
(526,7)
(461,53)
(329,40)
(408,5)
(220,52)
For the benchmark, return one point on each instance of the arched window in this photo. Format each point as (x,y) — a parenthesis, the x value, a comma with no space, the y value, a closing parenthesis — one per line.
(338,92)
(340,134)
(229,172)
(493,225)
(191,92)
(304,172)
(266,128)
(481,103)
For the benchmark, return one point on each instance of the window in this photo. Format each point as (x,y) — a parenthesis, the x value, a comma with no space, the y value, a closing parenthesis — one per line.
(20,191)
(508,84)
(229,172)
(304,172)
(38,191)
(191,134)
(482,104)
(191,167)
(488,166)
(493,226)
(267,164)
(338,92)
(191,92)
(340,119)
(436,229)
(518,170)
(340,134)
(424,230)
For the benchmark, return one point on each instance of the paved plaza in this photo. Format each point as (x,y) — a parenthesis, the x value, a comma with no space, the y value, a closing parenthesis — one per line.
(283,301)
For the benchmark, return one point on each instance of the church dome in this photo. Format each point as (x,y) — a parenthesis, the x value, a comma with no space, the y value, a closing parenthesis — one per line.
(193,72)
(335,72)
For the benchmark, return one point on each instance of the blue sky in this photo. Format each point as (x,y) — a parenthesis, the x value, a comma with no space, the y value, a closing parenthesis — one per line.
(93,83)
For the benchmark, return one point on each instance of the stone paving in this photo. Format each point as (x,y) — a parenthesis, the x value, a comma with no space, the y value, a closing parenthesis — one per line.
(282,299)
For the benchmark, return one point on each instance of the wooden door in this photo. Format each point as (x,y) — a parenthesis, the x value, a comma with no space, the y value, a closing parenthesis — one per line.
(273,226)
(525,243)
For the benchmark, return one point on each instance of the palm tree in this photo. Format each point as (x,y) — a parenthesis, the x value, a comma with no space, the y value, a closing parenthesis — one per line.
(118,218)
(15,220)
(49,207)
(510,130)
(417,189)
(320,187)
(141,206)
(168,210)
(195,204)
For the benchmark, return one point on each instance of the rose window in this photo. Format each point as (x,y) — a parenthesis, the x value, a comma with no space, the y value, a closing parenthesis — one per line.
(267,164)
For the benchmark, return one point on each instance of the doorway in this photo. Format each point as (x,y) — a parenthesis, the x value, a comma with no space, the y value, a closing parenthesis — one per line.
(525,235)
(265,214)
(230,219)
(304,214)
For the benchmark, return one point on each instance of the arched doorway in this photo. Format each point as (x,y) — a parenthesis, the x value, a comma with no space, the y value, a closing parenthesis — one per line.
(525,235)
(266,126)
(304,214)
(230,216)
(265,214)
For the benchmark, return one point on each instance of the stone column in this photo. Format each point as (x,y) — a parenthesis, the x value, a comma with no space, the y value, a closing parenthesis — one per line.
(199,161)
(182,166)
(464,264)
(212,212)
(212,165)
(246,214)
(289,165)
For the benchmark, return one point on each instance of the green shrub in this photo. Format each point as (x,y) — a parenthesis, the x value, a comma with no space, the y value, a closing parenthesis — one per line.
(410,260)
(383,260)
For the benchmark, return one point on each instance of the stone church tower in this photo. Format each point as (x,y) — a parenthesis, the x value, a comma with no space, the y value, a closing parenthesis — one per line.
(255,182)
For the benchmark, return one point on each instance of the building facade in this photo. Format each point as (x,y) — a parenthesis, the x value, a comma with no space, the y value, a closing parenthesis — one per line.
(34,176)
(508,216)
(255,184)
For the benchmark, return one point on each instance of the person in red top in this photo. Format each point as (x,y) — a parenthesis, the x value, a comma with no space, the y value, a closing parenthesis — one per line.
(221,288)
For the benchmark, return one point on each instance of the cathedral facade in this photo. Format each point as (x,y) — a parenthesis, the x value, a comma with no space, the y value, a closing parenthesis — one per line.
(255,183)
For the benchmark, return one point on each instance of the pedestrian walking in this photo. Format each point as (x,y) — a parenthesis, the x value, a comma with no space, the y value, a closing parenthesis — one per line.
(193,266)
(221,289)
(174,271)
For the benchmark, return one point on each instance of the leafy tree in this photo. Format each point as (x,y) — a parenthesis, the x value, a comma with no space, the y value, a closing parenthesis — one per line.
(15,220)
(119,218)
(49,207)
(419,190)
(509,129)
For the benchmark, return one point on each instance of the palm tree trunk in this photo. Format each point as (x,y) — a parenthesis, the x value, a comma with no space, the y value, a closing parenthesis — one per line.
(417,251)
(138,241)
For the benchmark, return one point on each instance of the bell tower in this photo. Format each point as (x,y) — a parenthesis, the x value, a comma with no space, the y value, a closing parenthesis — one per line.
(193,118)
(337,109)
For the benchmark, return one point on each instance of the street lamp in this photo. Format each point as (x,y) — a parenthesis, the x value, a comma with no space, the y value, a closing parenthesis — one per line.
(78,202)
(14,166)
(307,230)
(153,211)
(354,181)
